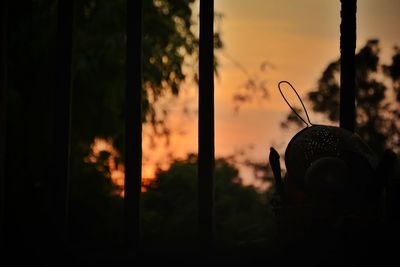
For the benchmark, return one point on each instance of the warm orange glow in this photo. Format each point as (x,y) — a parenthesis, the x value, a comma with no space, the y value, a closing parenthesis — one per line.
(299,44)
(115,167)
(299,38)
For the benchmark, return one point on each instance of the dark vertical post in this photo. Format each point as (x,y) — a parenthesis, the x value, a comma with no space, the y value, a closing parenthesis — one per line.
(347,64)
(59,188)
(206,123)
(3,102)
(133,123)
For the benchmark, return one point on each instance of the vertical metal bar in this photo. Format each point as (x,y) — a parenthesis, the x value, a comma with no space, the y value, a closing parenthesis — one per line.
(206,124)
(347,64)
(3,103)
(59,184)
(133,123)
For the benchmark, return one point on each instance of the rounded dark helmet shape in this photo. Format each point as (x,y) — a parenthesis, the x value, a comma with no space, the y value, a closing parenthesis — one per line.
(331,159)
(328,160)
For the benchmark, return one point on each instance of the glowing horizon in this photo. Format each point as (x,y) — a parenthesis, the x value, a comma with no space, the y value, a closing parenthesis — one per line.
(298,39)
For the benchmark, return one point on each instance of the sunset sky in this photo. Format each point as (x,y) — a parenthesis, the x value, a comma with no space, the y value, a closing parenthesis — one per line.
(297,39)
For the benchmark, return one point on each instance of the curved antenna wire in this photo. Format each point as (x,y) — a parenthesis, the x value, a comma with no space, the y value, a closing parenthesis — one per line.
(287,102)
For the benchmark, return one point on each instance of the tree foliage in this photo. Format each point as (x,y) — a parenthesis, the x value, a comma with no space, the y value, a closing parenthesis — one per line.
(97,109)
(169,208)
(169,56)
(376,110)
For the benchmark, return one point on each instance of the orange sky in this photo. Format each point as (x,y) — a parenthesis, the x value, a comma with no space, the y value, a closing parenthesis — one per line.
(299,37)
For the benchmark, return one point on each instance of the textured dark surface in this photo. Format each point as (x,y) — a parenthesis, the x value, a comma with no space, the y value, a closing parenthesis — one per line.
(318,141)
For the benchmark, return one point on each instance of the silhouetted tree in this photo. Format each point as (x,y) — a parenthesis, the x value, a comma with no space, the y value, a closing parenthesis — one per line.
(376,111)
(169,40)
(98,84)
(169,208)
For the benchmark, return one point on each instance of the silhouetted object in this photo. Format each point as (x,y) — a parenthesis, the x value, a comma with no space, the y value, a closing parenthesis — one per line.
(333,189)
(3,94)
(133,124)
(276,169)
(376,109)
(347,62)
(59,178)
(206,124)
(331,163)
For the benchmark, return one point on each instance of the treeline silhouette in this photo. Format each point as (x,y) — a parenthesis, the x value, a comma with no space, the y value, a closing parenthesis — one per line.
(246,226)
(95,213)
